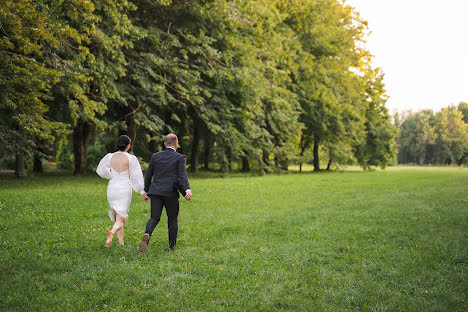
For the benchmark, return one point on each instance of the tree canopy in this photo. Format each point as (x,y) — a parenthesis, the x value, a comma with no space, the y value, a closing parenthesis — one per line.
(253,83)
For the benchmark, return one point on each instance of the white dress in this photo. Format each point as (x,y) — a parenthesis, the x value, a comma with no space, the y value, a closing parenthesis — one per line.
(119,189)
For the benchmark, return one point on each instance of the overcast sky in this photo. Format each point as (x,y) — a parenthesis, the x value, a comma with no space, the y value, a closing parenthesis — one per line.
(422,47)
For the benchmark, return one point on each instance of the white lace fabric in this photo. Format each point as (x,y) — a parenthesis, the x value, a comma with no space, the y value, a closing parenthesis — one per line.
(135,173)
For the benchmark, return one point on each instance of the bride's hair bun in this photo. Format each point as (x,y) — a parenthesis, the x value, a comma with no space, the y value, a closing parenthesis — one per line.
(124,140)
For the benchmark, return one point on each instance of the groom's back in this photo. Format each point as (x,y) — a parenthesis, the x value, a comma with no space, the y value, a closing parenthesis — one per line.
(164,166)
(165,163)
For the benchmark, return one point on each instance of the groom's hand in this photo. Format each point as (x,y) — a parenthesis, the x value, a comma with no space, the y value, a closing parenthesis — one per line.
(188,195)
(145,196)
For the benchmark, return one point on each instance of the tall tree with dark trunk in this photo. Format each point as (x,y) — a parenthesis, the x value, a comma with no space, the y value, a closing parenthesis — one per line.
(80,147)
(20,168)
(37,164)
(316,153)
(245,164)
(195,149)
(206,153)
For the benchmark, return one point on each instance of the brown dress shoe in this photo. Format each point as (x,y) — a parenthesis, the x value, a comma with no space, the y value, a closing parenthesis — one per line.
(144,243)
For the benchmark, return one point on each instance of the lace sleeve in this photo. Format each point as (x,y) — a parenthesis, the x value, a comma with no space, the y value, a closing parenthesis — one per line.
(136,176)
(103,169)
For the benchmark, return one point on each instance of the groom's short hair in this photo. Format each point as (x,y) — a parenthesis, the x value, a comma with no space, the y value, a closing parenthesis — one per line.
(171,139)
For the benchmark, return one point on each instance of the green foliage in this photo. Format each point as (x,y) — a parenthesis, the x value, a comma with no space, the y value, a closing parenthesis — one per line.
(7,163)
(249,80)
(451,143)
(64,158)
(26,76)
(463,108)
(428,138)
(377,148)
(95,154)
(328,76)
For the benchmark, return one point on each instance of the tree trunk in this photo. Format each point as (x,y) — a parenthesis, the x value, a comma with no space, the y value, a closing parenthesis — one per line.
(37,164)
(229,157)
(303,144)
(20,167)
(195,150)
(266,158)
(245,164)
(302,155)
(80,147)
(316,153)
(329,163)
(207,154)
(132,132)
(422,157)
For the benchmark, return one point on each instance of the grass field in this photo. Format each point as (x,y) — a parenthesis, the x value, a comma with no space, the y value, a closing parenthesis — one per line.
(379,241)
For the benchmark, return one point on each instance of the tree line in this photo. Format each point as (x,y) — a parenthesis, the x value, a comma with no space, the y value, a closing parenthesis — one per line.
(439,138)
(258,84)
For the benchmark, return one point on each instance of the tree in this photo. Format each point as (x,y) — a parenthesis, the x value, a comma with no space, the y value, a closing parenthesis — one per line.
(377,148)
(428,138)
(417,138)
(327,79)
(451,136)
(26,41)
(91,58)
(463,108)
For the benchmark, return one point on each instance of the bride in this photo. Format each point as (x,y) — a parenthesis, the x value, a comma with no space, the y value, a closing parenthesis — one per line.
(124,173)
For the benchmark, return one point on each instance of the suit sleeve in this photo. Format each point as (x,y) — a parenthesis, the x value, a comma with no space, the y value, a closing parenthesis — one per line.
(149,174)
(182,173)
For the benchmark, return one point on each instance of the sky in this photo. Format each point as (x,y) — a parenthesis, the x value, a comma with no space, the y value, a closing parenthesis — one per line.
(422,47)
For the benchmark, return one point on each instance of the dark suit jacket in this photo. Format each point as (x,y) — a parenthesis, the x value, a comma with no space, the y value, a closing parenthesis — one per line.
(166,174)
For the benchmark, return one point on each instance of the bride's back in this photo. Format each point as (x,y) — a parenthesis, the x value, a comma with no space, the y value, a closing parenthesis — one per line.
(119,162)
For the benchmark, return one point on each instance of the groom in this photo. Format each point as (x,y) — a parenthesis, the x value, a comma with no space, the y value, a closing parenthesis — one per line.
(166,176)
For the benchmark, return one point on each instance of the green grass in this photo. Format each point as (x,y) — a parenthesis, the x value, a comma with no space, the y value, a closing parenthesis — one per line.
(380,241)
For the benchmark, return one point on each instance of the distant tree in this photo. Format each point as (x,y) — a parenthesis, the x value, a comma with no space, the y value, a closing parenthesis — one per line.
(463,108)
(428,138)
(451,143)
(327,80)
(378,146)
(417,138)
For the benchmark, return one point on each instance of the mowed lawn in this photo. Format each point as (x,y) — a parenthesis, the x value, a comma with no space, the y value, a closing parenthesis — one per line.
(380,241)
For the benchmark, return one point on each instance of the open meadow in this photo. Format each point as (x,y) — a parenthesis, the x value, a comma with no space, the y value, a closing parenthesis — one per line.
(379,241)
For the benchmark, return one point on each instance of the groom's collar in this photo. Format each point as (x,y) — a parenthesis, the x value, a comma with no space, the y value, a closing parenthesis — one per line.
(167,148)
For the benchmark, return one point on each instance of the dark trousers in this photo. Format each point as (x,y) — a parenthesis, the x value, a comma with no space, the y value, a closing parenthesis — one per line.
(172,211)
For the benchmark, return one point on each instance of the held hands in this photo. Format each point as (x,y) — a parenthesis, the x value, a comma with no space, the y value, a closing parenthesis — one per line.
(188,196)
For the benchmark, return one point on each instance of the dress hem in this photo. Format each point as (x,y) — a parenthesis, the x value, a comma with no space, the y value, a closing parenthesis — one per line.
(112,216)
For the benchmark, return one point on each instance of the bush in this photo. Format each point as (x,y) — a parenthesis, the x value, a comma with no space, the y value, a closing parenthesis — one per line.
(64,157)
(95,154)
(8,162)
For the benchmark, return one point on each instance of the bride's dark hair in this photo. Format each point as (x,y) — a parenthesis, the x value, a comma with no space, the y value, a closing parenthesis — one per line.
(124,140)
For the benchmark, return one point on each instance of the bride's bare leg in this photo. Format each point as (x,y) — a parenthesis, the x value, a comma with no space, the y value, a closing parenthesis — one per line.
(118,225)
(120,235)
(109,239)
